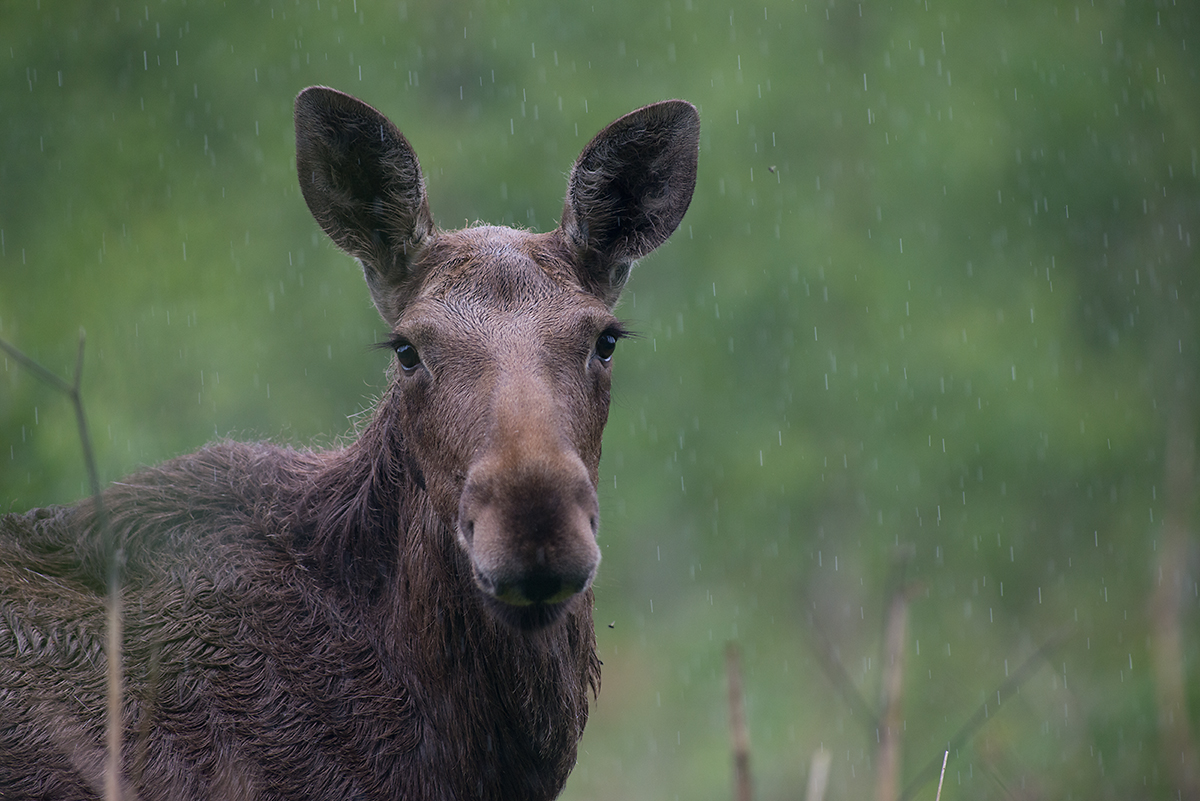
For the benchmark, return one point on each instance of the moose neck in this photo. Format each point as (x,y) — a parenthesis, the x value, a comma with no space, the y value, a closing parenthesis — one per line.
(374,534)
(356,505)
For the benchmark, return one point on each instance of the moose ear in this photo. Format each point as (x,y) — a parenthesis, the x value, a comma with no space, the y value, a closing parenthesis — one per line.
(362,183)
(628,191)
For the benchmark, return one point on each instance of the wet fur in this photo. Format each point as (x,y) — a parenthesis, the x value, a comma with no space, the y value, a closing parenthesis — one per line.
(310,625)
(258,665)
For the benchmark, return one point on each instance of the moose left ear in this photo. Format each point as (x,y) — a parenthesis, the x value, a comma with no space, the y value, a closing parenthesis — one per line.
(362,182)
(629,190)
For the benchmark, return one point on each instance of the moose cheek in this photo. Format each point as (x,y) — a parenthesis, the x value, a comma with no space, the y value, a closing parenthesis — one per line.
(432,457)
(590,419)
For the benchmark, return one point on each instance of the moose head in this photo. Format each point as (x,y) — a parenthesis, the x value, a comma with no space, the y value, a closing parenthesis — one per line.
(503,338)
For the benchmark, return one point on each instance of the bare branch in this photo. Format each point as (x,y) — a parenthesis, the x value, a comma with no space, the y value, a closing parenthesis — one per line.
(837,673)
(976,721)
(112,773)
(44,375)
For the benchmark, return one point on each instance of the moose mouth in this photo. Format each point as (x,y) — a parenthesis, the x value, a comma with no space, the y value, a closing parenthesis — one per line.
(532,617)
(533,603)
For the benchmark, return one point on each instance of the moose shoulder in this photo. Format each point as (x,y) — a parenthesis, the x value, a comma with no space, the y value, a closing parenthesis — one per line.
(405,617)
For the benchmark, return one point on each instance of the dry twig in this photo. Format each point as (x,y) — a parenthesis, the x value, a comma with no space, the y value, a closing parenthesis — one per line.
(112,773)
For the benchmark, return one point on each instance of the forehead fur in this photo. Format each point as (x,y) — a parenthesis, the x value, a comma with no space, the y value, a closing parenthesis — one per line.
(501,265)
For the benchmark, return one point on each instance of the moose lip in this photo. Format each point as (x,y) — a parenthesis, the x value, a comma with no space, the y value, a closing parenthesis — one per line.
(512,606)
(528,617)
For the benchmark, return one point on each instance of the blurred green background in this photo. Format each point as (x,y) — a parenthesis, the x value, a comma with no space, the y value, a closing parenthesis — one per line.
(927,333)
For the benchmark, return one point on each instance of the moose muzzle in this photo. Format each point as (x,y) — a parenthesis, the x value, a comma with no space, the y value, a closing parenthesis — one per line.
(530,531)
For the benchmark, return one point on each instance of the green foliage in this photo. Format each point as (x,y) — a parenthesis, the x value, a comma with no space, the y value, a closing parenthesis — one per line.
(935,296)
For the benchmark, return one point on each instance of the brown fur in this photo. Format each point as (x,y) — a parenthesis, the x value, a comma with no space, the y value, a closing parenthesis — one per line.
(405,617)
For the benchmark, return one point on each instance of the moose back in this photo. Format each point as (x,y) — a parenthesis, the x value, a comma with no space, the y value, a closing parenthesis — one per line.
(409,616)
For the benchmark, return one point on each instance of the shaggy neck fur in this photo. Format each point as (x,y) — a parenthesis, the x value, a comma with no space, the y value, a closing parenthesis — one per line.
(307,627)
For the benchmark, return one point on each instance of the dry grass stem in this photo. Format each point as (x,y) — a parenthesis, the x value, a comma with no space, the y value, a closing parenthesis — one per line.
(818,775)
(887,772)
(737,726)
(1166,604)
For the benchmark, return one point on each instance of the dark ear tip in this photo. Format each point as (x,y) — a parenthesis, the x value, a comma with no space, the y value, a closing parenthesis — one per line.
(315,100)
(680,108)
(678,114)
(311,95)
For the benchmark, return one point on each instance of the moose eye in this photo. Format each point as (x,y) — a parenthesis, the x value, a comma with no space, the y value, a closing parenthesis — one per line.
(606,343)
(407,355)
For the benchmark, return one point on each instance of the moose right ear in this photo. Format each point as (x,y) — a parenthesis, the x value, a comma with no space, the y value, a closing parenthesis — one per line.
(362,182)
(628,191)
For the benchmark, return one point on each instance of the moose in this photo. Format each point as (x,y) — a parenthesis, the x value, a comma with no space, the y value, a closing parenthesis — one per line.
(408,616)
